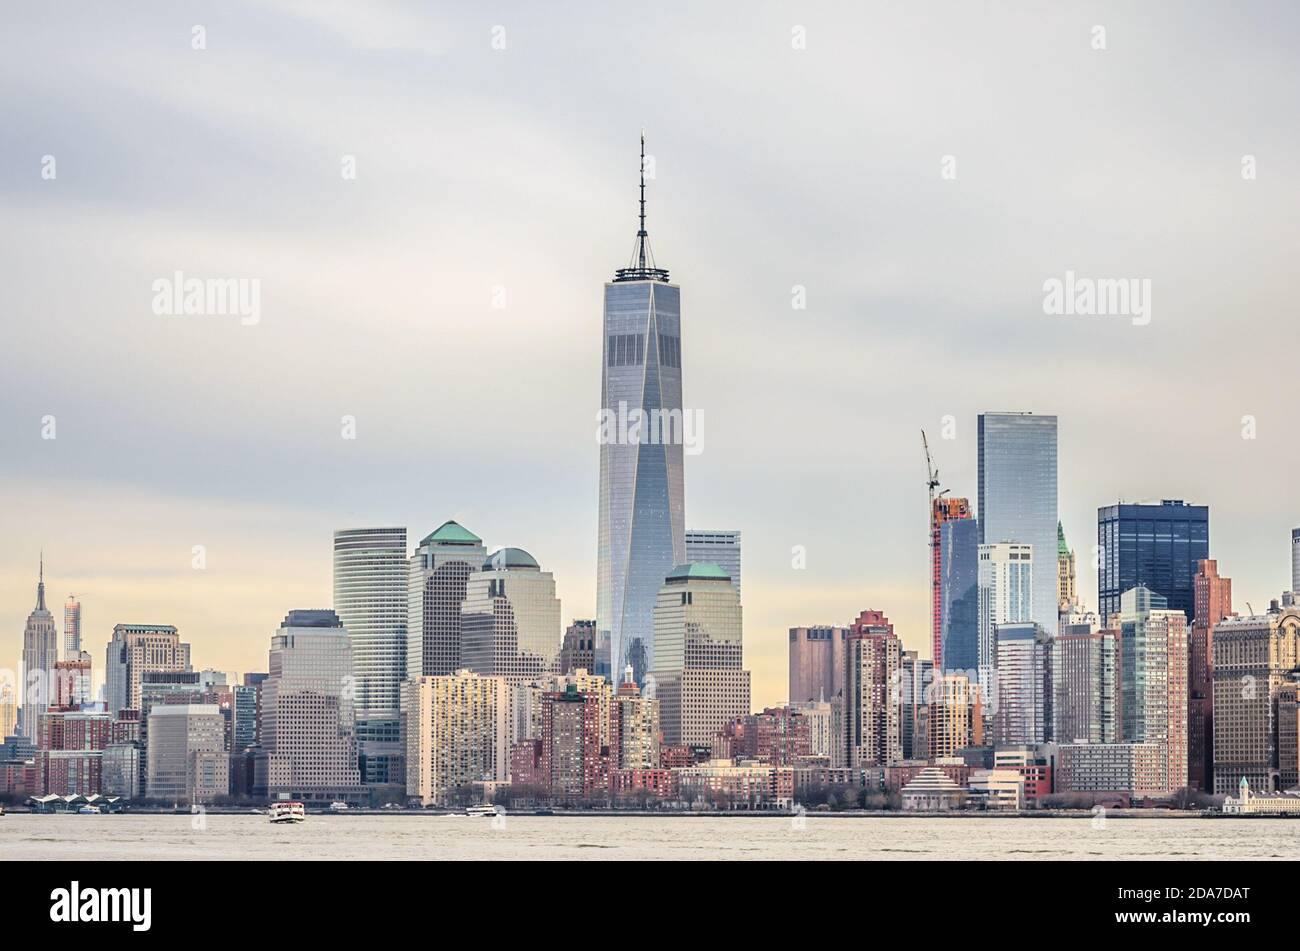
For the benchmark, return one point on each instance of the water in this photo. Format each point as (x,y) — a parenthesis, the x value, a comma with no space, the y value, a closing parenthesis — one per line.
(342,837)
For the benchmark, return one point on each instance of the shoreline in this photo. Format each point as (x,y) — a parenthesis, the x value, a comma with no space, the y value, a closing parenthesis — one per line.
(1044,814)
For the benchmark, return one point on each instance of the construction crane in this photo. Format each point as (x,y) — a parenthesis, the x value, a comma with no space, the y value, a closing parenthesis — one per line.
(932,477)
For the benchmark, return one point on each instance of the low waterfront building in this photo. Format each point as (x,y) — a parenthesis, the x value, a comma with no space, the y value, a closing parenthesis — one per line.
(1248,803)
(933,791)
(997,789)
(737,784)
(1136,768)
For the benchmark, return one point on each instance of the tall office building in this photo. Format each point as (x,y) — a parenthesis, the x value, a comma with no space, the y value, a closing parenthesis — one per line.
(1067,585)
(1006,591)
(634,728)
(958,567)
(1154,546)
(872,707)
(134,649)
(1153,675)
(942,512)
(72,628)
(1253,659)
(1022,707)
(1017,495)
(816,666)
(40,654)
(1295,559)
(915,683)
(8,704)
(370,598)
(955,718)
(721,548)
(457,734)
(1086,684)
(186,754)
(308,729)
(578,648)
(698,673)
(642,528)
(510,619)
(1212,597)
(439,570)
(572,762)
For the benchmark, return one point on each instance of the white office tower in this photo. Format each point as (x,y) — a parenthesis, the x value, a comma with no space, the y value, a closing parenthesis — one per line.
(439,569)
(698,675)
(1021,707)
(72,628)
(721,548)
(510,618)
(370,598)
(308,722)
(1006,571)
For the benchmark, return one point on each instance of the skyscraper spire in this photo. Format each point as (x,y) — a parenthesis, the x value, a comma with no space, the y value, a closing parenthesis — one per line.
(40,585)
(642,266)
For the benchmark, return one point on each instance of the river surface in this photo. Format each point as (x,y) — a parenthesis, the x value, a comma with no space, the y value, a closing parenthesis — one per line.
(341,837)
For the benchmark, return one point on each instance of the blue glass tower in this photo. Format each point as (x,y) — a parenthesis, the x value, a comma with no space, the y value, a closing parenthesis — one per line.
(642,527)
(1152,546)
(1017,487)
(959,593)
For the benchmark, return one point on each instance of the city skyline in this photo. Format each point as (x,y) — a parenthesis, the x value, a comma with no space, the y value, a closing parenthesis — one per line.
(259,477)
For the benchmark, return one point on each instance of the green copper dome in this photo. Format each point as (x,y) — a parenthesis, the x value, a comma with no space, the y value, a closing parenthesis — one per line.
(451,533)
(702,570)
(510,558)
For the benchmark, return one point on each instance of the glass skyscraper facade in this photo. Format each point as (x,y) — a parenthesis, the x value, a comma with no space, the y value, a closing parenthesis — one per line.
(959,594)
(1017,495)
(642,527)
(370,576)
(1154,546)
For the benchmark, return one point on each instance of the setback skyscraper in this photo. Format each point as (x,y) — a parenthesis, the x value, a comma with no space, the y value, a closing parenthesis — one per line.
(439,570)
(370,598)
(1017,496)
(40,654)
(642,526)
(957,556)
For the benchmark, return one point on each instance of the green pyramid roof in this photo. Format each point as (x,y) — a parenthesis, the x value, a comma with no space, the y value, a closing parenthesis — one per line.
(453,533)
(698,570)
(1061,547)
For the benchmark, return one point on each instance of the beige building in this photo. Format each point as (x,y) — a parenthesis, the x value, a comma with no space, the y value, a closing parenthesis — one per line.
(458,734)
(955,716)
(872,707)
(308,726)
(135,649)
(634,728)
(1136,768)
(510,619)
(187,758)
(698,654)
(1154,670)
(1253,659)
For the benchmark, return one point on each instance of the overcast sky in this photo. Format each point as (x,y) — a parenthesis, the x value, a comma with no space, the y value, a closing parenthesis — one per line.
(480,168)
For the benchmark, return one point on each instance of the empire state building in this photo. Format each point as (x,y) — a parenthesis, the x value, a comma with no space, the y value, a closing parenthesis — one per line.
(642,531)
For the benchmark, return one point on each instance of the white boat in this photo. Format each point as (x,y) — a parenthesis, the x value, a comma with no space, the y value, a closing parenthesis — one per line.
(89,810)
(481,811)
(338,807)
(287,811)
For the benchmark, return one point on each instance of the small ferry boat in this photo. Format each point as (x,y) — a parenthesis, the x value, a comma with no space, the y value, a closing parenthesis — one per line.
(483,810)
(287,811)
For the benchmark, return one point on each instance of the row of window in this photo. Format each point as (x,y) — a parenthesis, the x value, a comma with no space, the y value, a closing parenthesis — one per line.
(628,350)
